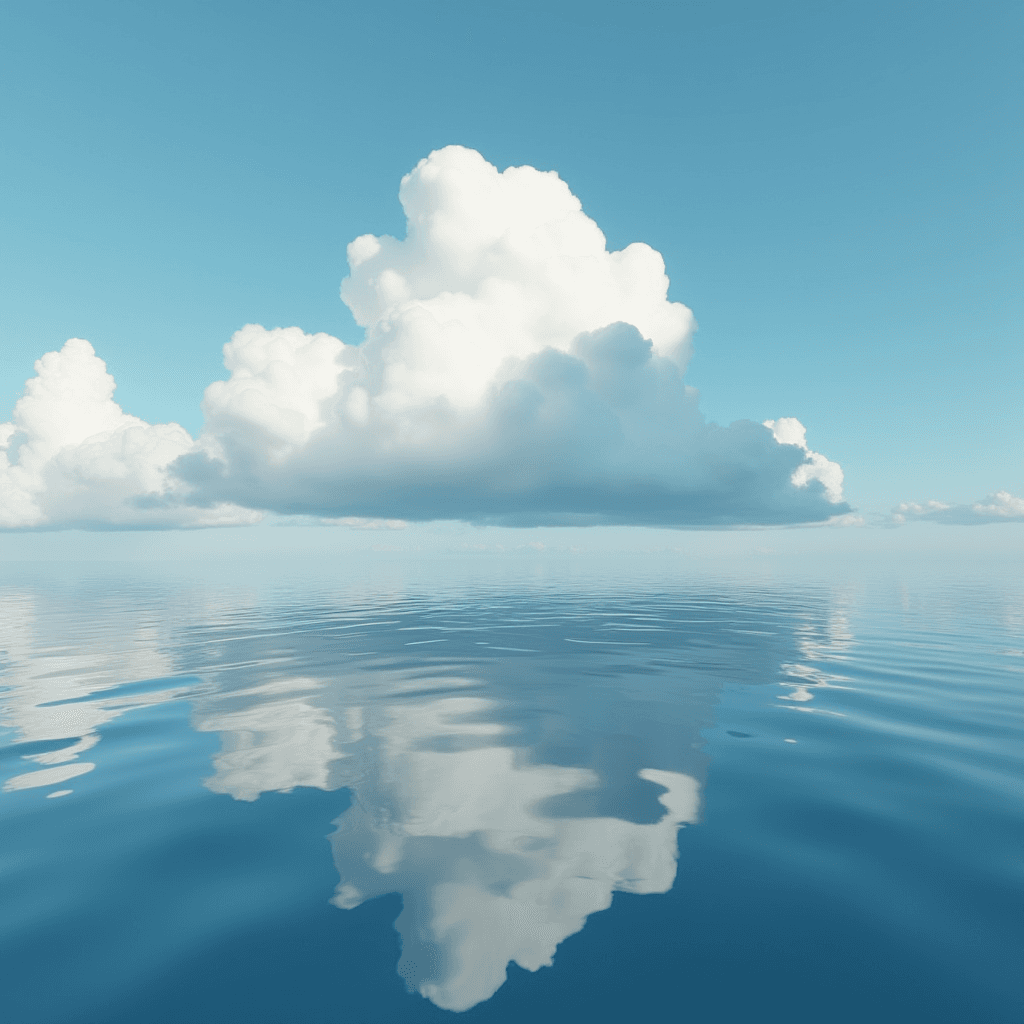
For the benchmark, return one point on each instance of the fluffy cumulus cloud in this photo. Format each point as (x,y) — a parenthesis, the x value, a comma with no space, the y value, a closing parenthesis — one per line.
(513,370)
(1001,507)
(71,456)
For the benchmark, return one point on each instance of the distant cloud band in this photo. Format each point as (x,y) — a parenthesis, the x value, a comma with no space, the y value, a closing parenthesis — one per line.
(1001,507)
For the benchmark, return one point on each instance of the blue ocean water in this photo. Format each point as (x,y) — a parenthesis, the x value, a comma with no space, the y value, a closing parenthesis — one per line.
(534,791)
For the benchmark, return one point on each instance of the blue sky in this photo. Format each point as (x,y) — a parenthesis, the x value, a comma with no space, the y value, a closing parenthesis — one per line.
(835,190)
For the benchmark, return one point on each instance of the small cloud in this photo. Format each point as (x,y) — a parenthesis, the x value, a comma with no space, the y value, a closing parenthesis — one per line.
(846,520)
(356,523)
(1001,507)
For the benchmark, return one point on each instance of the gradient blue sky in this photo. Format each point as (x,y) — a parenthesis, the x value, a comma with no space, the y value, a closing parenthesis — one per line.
(836,190)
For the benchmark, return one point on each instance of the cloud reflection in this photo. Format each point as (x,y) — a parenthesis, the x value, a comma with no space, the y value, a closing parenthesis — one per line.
(56,684)
(451,817)
(819,643)
(498,857)
(279,742)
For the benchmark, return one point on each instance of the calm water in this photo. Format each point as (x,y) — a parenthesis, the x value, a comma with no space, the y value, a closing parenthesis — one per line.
(382,793)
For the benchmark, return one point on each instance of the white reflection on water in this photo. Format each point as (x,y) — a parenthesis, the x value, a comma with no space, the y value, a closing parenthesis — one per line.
(829,642)
(451,810)
(486,876)
(54,683)
(274,744)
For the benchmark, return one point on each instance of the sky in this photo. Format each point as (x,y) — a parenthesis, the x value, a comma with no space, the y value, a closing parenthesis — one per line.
(834,191)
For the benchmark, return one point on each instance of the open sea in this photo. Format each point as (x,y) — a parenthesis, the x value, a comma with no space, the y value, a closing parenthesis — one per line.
(529,789)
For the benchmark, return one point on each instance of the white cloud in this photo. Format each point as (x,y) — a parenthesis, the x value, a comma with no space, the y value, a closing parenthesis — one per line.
(72,457)
(1001,507)
(815,466)
(513,370)
(494,265)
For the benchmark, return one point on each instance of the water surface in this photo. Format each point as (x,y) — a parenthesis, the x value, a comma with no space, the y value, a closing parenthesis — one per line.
(385,792)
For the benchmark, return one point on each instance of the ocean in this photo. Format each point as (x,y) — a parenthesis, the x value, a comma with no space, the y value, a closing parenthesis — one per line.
(514,789)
